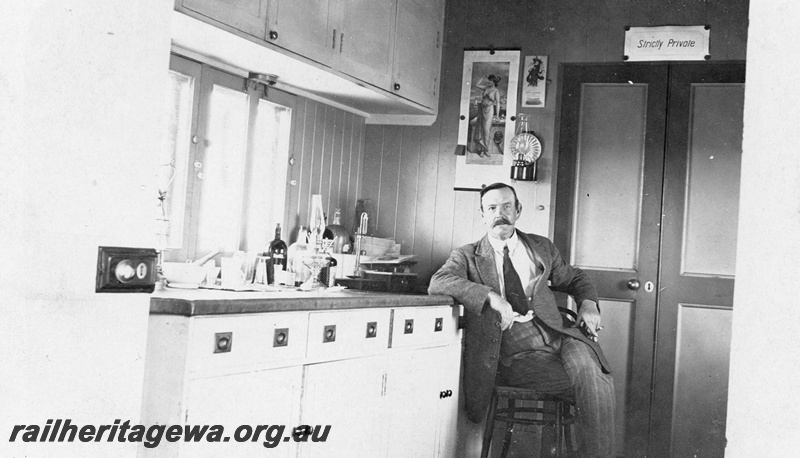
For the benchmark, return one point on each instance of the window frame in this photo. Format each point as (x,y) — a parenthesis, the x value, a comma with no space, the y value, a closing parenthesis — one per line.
(205,77)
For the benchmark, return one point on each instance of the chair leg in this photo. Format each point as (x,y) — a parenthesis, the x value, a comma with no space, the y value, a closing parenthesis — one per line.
(567,431)
(509,429)
(559,424)
(549,444)
(488,430)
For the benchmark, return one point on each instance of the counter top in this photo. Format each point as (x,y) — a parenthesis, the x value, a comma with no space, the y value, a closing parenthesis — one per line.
(199,302)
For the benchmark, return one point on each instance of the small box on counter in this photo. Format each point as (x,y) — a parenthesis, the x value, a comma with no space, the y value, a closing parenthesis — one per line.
(375,246)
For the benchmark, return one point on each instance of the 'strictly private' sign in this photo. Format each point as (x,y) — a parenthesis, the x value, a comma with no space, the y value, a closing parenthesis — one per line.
(667,43)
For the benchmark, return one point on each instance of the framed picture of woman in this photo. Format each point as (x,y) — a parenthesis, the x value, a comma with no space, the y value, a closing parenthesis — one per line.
(488,104)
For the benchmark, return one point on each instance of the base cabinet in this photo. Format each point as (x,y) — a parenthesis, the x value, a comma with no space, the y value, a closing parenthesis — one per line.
(347,396)
(375,382)
(422,401)
(257,411)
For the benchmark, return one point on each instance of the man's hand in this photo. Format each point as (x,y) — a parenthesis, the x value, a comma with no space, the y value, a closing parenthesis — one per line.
(589,319)
(497,302)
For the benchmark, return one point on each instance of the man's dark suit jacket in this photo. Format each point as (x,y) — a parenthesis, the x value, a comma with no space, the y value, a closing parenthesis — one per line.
(468,276)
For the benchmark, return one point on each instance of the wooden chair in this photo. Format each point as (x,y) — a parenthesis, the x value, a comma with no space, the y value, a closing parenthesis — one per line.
(552,413)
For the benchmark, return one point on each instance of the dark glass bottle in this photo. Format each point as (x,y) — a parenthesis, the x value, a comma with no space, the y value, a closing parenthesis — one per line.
(277,254)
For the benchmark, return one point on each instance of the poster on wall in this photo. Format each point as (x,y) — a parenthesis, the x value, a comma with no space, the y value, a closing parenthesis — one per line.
(488,104)
(534,82)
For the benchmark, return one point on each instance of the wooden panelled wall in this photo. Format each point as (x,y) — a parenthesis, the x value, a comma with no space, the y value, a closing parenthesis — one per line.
(327,158)
(409,171)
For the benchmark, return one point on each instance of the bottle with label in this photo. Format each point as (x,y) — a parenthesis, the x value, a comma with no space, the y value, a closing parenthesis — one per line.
(276,268)
(296,254)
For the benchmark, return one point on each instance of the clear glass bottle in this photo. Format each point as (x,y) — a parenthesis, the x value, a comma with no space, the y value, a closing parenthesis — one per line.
(296,253)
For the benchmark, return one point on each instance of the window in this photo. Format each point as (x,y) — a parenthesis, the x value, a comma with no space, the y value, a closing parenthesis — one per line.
(223,173)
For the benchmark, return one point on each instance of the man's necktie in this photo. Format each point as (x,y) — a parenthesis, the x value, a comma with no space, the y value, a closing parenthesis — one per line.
(515,293)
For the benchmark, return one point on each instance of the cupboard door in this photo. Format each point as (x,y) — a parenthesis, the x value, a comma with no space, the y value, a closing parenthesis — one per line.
(304,27)
(366,40)
(346,395)
(447,417)
(418,52)
(422,401)
(248,16)
(270,398)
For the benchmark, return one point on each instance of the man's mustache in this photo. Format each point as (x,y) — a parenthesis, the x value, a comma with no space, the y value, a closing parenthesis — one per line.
(501,220)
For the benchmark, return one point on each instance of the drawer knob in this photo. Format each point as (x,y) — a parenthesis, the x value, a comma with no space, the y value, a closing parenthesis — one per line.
(329,333)
(223,341)
(396,86)
(281,338)
(273,35)
(439,324)
(409,328)
(372,329)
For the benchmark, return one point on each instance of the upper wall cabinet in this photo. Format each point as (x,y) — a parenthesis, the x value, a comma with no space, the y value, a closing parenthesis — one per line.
(381,57)
(418,50)
(304,27)
(249,16)
(353,36)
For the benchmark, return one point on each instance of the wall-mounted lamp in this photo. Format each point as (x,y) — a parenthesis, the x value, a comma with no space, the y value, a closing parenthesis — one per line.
(525,149)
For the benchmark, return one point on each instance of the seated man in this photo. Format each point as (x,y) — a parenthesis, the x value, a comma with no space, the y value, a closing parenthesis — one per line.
(512,318)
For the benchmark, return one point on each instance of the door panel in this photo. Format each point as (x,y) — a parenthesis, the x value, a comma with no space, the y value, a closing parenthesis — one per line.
(619,162)
(668,334)
(695,132)
(712,190)
(612,136)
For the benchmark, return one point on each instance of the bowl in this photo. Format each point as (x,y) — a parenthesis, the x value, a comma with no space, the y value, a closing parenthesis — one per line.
(181,273)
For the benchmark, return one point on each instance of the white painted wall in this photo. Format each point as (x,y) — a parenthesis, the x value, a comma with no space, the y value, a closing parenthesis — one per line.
(763,399)
(81,94)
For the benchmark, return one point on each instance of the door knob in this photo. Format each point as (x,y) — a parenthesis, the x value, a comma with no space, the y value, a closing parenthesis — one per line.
(633,284)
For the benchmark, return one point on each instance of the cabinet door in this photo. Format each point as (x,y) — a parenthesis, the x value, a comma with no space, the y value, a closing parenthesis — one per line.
(449,379)
(249,16)
(304,27)
(270,398)
(418,52)
(347,396)
(422,401)
(366,40)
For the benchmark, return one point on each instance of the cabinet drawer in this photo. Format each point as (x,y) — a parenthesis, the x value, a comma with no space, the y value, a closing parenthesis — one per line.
(221,345)
(413,326)
(345,334)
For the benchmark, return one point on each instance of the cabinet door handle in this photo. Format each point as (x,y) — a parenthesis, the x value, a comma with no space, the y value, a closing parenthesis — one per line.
(396,86)
(334,40)
(341,42)
(281,338)
(273,35)
(329,333)
(372,329)
(223,341)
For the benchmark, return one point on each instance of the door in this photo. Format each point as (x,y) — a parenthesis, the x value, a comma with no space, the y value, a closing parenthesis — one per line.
(348,396)
(647,192)
(248,16)
(304,27)
(366,39)
(417,51)
(266,402)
